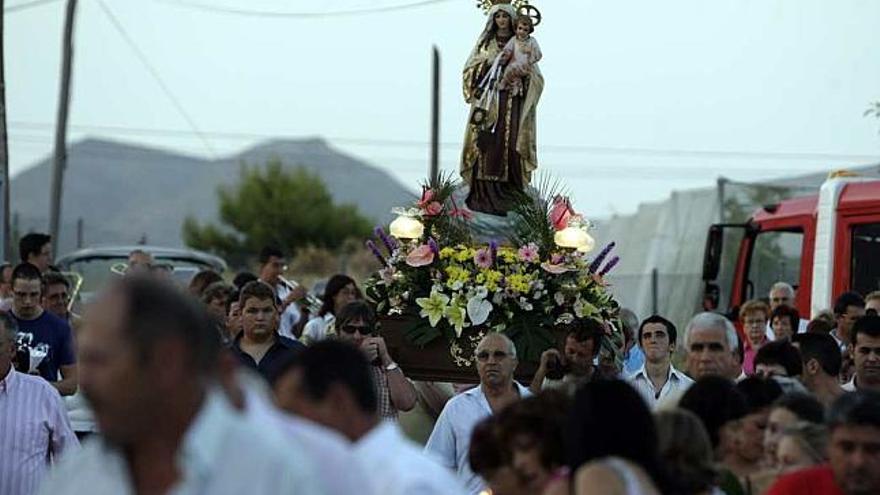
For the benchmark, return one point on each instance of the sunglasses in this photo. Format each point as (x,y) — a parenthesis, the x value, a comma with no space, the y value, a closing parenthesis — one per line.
(363,330)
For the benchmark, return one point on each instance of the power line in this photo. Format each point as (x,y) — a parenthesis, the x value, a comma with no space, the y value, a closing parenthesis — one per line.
(155,73)
(26,5)
(571,171)
(298,15)
(560,148)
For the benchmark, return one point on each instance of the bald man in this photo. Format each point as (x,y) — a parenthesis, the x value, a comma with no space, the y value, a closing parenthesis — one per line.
(450,441)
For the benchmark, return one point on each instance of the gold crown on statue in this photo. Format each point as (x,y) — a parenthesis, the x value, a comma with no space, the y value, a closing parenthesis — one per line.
(522,7)
(488,4)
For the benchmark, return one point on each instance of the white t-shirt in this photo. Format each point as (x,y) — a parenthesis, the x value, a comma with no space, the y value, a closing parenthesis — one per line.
(399,467)
(316,329)
(450,441)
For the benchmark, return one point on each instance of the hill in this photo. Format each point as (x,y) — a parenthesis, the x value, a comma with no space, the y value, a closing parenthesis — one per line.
(126,192)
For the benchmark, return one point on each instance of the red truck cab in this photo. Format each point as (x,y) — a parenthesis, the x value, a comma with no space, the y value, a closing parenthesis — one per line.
(822,245)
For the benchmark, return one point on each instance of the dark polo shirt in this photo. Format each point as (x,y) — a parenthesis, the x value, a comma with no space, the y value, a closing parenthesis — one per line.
(282,350)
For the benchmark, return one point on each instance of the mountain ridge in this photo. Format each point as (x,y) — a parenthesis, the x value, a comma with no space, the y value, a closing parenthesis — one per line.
(127,191)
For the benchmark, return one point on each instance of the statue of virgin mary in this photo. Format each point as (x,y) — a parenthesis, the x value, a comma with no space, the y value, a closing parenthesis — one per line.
(499,152)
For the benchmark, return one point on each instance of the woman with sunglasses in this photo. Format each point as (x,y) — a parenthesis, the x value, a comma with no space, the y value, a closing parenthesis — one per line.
(356,323)
(340,290)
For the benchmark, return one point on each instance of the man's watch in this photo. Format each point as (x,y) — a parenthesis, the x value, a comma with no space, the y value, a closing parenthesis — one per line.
(391,367)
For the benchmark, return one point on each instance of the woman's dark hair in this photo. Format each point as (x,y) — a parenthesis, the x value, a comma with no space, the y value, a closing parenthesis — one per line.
(542,418)
(716,401)
(487,453)
(609,418)
(782,353)
(804,406)
(783,311)
(760,393)
(334,285)
(686,451)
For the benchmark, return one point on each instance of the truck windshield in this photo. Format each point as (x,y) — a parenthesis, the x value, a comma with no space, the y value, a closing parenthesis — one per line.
(865,258)
(776,257)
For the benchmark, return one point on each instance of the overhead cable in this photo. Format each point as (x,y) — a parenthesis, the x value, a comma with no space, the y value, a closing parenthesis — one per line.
(155,73)
(27,5)
(205,7)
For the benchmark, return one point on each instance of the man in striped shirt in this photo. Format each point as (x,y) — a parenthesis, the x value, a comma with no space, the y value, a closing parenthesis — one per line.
(34,428)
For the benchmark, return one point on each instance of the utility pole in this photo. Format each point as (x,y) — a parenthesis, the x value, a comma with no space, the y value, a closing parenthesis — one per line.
(5,252)
(435,118)
(60,162)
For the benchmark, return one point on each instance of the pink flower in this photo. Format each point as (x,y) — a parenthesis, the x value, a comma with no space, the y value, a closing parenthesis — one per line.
(560,212)
(483,258)
(556,259)
(427,197)
(433,209)
(529,253)
(420,256)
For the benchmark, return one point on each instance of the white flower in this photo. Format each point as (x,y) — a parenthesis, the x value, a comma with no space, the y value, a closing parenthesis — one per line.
(559,297)
(481,291)
(525,304)
(478,309)
(565,319)
(498,298)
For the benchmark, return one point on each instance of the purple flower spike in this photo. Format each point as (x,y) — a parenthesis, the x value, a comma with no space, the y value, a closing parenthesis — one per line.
(493,250)
(390,244)
(594,266)
(378,254)
(611,264)
(433,245)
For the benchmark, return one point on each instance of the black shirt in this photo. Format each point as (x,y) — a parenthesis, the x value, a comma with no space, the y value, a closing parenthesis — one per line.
(280,352)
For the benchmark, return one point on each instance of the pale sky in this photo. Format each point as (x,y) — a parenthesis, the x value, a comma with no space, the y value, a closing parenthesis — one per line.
(777,86)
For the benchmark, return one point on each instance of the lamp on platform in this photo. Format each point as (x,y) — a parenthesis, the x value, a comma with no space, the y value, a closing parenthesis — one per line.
(575,236)
(406,227)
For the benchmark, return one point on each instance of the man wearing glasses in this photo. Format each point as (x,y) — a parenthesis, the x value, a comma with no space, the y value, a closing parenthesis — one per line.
(56,297)
(356,323)
(450,441)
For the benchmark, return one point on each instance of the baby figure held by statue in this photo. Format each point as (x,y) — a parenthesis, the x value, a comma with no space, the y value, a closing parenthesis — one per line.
(522,54)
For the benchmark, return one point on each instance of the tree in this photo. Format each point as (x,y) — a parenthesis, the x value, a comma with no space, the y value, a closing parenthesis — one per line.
(272,205)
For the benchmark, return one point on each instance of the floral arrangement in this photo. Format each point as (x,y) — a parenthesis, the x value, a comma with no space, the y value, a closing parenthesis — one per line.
(455,289)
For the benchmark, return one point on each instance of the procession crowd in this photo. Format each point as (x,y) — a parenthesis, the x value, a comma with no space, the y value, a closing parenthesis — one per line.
(252,386)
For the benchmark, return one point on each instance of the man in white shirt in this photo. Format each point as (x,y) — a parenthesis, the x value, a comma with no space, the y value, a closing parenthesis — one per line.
(330,383)
(866,354)
(450,441)
(148,361)
(657,378)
